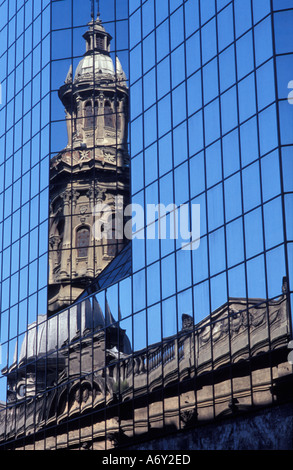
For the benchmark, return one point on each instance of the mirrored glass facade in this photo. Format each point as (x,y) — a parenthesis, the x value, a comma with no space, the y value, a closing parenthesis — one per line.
(123,324)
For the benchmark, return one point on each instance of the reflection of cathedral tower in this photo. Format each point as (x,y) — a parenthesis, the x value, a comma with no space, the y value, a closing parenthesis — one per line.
(92,169)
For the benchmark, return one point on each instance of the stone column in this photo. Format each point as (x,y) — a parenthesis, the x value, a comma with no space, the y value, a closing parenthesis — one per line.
(66,196)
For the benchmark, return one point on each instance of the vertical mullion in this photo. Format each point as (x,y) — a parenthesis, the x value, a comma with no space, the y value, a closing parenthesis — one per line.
(242,206)
(262,202)
(286,243)
(206,201)
(224,213)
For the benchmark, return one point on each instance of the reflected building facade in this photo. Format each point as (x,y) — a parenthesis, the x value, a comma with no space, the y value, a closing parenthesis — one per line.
(90,174)
(146,345)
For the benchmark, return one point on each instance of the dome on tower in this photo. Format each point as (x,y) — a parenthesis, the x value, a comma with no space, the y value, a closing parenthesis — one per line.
(97,60)
(96,64)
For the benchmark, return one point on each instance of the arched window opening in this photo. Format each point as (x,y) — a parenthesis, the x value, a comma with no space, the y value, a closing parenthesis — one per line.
(110,243)
(96,112)
(109,115)
(89,118)
(82,242)
(100,42)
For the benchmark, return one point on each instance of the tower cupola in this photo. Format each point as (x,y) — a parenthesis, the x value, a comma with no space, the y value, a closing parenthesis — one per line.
(97,39)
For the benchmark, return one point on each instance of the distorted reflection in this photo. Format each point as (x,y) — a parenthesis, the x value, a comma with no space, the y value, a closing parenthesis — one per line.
(87,358)
(91,171)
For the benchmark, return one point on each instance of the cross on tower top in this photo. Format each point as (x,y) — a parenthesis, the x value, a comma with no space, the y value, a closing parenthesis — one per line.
(93,8)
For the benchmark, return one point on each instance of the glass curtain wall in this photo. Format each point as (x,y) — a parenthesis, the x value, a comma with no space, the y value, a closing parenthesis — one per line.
(25,31)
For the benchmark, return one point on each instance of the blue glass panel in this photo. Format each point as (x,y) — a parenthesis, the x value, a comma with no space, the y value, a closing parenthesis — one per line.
(233,199)
(229,115)
(286,122)
(149,89)
(153,283)
(213,164)
(273,223)
(253,233)
(246,94)
(210,81)
(249,141)
(209,41)
(154,324)
(282,4)
(251,186)
(263,41)
(260,9)
(217,252)
(169,317)
(283,32)
(147,17)
(139,331)
(168,275)
(165,154)
(218,291)
(215,207)
(164,115)
(265,85)
(181,184)
(197,174)
(150,126)
(288,215)
(245,62)
(270,173)
(201,294)
(237,282)
(207,10)
(212,122)
(191,16)
(268,130)
(276,270)
(284,75)
(192,53)
(287,164)
(148,52)
(200,261)
(256,278)
(163,77)
(179,104)
(151,164)
(183,260)
(134,31)
(161,10)
(177,28)
(195,126)
(136,129)
(194,93)
(225,28)
(178,66)
(135,63)
(180,143)
(137,173)
(235,243)
(139,290)
(227,68)
(166,190)
(163,46)
(242,16)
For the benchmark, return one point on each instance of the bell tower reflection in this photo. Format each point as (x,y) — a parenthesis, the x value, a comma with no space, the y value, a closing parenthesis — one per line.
(92,169)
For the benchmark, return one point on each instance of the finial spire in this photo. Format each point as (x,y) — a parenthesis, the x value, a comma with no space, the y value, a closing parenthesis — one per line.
(93,8)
